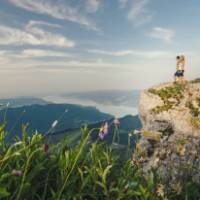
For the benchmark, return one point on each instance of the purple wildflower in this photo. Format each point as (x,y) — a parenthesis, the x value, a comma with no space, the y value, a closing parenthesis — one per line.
(16,172)
(103,131)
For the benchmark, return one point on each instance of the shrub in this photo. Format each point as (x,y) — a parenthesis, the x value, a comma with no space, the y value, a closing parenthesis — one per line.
(31,170)
(171,96)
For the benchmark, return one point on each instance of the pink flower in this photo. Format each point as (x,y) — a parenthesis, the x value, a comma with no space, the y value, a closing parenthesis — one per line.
(16,172)
(103,131)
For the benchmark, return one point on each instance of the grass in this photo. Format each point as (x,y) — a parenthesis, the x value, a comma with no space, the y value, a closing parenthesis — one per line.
(195,122)
(156,136)
(195,113)
(171,96)
(88,170)
(194,110)
(197,80)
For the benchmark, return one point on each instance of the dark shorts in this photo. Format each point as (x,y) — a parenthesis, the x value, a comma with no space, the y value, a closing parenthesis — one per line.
(179,73)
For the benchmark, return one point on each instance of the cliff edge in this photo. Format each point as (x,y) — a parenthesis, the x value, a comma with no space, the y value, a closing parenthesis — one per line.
(170,139)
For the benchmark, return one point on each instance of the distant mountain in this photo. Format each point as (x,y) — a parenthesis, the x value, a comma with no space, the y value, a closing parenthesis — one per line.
(22,101)
(41,117)
(108,97)
(127,124)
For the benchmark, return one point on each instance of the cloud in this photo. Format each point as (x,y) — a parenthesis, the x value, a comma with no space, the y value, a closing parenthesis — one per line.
(32,53)
(92,6)
(139,13)
(122,3)
(145,54)
(32,36)
(37,53)
(26,64)
(56,9)
(34,23)
(162,33)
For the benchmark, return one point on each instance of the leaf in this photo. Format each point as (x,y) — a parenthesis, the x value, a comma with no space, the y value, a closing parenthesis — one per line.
(24,132)
(4,192)
(132,184)
(101,185)
(106,171)
(4,177)
(81,173)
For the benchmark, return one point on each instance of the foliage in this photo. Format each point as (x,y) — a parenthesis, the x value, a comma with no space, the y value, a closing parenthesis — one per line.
(195,122)
(195,112)
(88,170)
(151,135)
(197,80)
(171,96)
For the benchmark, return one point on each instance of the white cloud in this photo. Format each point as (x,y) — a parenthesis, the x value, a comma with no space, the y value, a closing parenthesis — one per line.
(122,3)
(2,53)
(145,54)
(92,6)
(139,13)
(31,53)
(34,23)
(32,36)
(11,55)
(56,9)
(162,33)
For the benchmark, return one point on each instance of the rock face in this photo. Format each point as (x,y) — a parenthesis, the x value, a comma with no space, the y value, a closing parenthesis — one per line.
(179,116)
(170,139)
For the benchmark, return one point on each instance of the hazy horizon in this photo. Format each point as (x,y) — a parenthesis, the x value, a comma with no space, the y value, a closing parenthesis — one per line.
(48,47)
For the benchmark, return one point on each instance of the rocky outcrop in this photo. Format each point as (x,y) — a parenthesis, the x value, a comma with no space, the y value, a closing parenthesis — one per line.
(170,138)
(171,106)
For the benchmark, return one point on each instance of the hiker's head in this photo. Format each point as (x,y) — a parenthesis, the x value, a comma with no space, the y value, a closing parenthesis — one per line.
(177,57)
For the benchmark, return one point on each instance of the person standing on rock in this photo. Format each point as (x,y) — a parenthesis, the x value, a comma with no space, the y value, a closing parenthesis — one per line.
(180,69)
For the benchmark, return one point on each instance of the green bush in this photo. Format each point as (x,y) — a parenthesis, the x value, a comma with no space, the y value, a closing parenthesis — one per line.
(31,170)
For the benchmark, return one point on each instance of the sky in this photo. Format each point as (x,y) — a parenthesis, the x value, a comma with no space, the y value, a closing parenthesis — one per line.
(57,46)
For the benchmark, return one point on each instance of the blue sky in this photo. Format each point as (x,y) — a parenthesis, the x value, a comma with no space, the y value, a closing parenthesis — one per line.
(55,46)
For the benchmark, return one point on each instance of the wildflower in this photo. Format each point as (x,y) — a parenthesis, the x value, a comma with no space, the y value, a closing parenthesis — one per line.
(116,122)
(16,172)
(103,131)
(160,191)
(129,134)
(136,132)
(177,188)
(46,148)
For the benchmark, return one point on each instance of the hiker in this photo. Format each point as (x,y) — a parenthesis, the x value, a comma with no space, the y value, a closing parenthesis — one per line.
(179,75)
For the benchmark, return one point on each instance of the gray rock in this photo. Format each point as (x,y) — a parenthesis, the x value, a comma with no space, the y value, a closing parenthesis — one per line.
(176,157)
